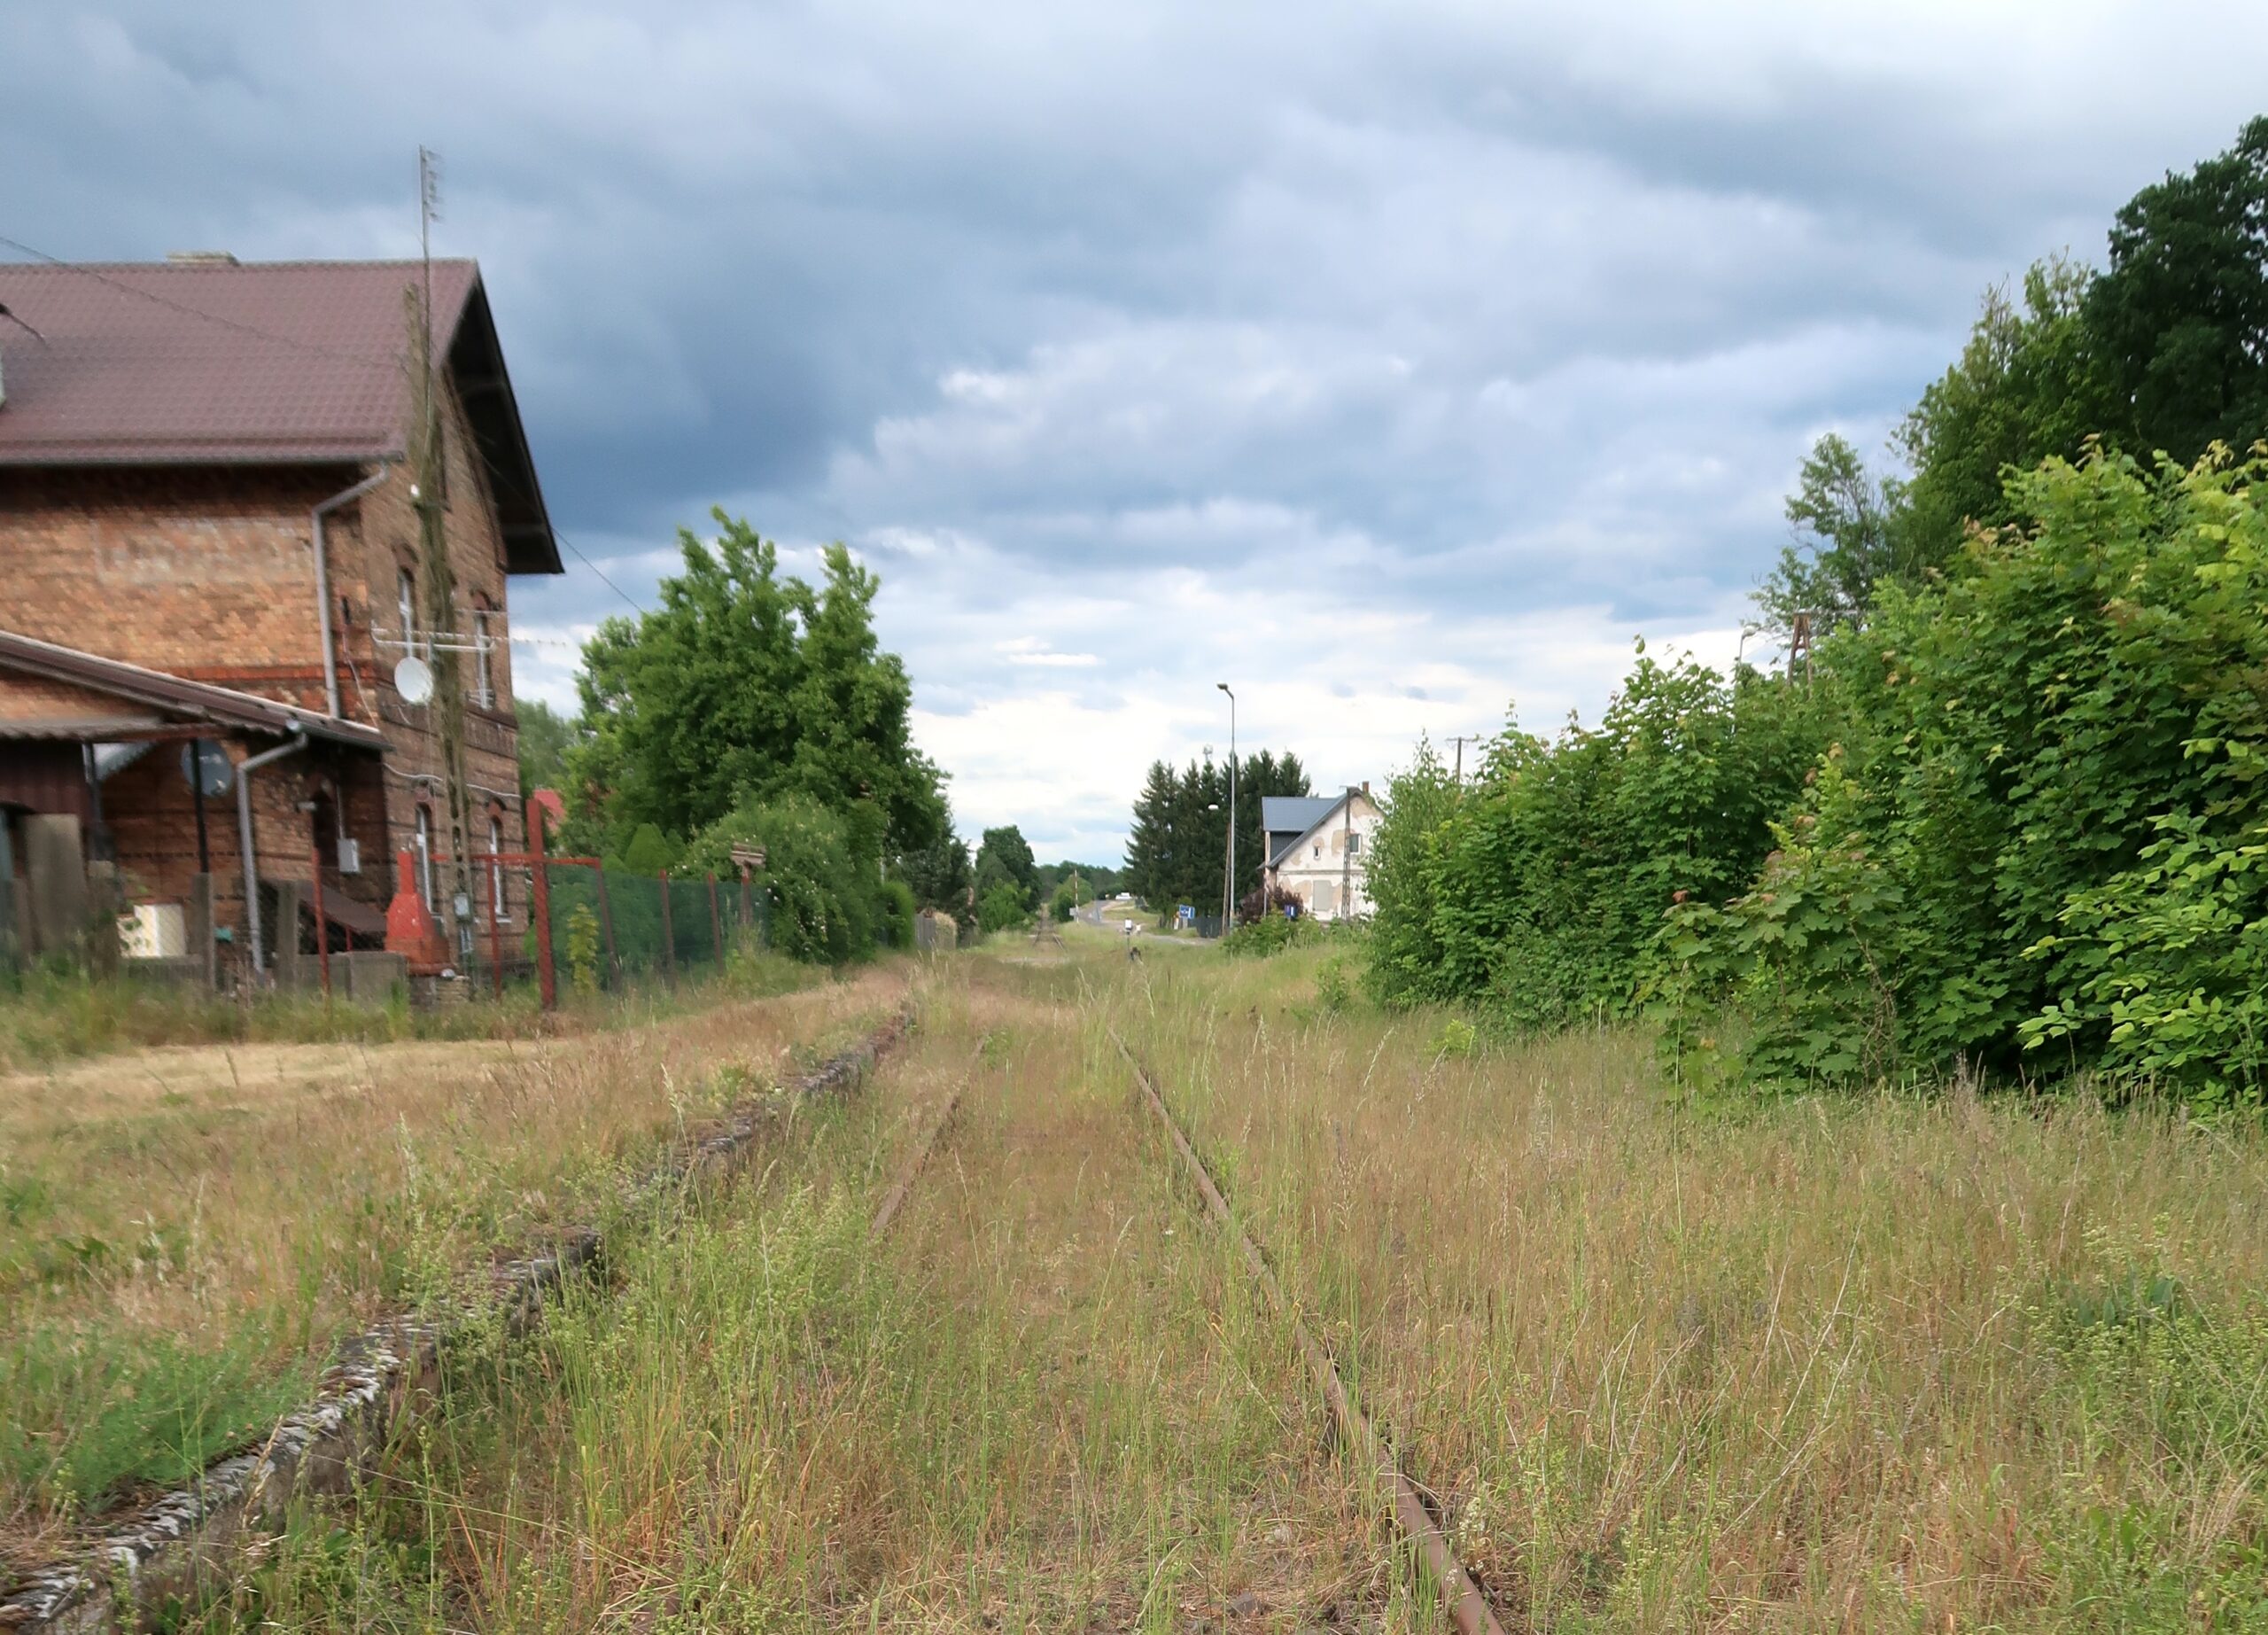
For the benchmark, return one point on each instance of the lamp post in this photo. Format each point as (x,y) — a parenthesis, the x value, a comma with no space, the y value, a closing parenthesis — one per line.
(1229,880)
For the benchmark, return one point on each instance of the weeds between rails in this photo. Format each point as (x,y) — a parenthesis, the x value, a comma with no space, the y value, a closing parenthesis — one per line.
(172,1552)
(1035,1403)
(1461,1599)
(184,1234)
(1901,1361)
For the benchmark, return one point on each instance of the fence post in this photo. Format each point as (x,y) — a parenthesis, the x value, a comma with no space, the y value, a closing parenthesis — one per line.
(716,924)
(669,937)
(606,924)
(539,897)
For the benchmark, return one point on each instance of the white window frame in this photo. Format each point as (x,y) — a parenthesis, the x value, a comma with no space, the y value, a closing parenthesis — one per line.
(496,906)
(480,668)
(425,857)
(405,588)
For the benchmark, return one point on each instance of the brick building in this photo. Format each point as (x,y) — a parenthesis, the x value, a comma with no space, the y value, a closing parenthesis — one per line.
(208,535)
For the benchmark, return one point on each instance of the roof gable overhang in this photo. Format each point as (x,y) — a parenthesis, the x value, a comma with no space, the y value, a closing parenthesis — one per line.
(156,705)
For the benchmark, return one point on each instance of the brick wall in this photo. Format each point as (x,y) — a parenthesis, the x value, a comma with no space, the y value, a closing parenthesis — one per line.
(206,574)
(370,554)
(209,574)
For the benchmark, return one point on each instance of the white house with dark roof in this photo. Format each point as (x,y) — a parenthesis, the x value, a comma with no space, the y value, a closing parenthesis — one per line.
(1319,849)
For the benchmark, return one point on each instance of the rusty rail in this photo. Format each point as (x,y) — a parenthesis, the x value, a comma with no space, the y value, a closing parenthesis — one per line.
(178,1549)
(1461,1598)
(894,1198)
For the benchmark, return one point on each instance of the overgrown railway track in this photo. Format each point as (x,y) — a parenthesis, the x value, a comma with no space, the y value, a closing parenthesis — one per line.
(1461,1602)
(188,1544)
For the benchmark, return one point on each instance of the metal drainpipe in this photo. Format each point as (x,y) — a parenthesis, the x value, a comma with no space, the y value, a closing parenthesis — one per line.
(323,584)
(244,769)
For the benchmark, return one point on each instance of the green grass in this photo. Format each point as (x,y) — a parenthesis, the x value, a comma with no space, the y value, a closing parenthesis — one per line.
(1048,1401)
(48,1017)
(1908,1361)
(183,1237)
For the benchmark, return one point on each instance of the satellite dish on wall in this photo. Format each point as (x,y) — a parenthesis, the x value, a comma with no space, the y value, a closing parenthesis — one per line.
(207,767)
(413,679)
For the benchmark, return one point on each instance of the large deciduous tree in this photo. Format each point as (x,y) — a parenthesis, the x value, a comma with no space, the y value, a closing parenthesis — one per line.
(744,684)
(1004,857)
(2181,316)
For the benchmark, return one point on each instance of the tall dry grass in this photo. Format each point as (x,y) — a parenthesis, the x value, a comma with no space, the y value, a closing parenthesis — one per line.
(1046,1401)
(1954,1361)
(185,1232)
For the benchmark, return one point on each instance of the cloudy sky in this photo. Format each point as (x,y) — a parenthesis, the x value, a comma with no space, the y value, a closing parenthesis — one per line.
(1395,365)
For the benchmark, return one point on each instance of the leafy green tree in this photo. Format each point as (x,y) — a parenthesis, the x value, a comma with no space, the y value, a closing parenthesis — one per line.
(649,852)
(1843,517)
(2029,384)
(826,904)
(1539,890)
(941,878)
(545,739)
(1099,878)
(2181,316)
(1003,858)
(2045,822)
(743,684)
(1002,908)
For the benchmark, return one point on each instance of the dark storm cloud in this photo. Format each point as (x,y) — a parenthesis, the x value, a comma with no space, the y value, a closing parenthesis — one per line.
(1399,363)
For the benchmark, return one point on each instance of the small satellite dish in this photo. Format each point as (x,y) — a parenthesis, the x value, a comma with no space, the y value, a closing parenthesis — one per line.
(207,765)
(413,679)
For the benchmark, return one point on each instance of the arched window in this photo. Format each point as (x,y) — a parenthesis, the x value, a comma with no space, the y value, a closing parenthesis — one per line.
(425,857)
(496,903)
(406,589)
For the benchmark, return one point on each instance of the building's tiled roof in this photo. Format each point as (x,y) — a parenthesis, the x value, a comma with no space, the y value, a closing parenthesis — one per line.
(277,362)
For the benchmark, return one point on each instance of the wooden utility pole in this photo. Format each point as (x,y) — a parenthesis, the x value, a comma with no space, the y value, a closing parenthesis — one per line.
(1347,860)
(1460,740)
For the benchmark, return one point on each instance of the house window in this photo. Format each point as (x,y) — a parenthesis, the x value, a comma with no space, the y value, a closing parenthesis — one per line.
(481,671)
(495,866)
(1318,848)
(406,589)
(425,857)
(1354,841)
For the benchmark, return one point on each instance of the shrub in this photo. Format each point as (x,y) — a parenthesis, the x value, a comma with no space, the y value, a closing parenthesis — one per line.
(1002,908)
(1269,935)
(827,902)
(2043,825)
(1538,891)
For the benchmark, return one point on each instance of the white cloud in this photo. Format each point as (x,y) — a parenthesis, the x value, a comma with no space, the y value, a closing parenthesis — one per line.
(1389,364)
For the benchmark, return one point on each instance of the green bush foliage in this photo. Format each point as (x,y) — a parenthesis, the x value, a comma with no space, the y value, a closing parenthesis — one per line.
(1540,889)
(1270,934)
(1002,908)
(828,904)
(2040,828)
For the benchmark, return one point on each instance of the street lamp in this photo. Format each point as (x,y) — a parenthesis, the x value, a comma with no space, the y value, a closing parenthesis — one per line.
(1229,880)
